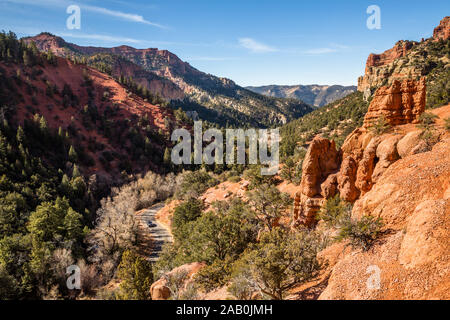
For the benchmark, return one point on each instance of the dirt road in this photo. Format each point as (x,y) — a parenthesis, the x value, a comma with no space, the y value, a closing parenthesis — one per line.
(159,234)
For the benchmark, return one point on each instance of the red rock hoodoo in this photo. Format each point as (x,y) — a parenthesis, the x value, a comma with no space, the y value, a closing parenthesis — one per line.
(355,168)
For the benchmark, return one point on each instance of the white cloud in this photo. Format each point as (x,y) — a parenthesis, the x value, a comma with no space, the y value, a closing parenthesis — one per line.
(255,46)
(100,37)
(127,16)
(113,13)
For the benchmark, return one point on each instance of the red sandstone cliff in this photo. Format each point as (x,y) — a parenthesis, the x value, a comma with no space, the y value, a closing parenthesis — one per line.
(353,170)
(406,60)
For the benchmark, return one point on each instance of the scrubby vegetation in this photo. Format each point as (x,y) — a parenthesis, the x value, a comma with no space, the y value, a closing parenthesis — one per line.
(335,121)
(361,233)
(379,127)
(280,261)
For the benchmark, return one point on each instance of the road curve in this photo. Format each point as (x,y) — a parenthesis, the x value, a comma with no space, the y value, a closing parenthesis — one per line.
(159,233)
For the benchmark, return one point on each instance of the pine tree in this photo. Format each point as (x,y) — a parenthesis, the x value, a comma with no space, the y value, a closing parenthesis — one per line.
(43,125)
(167,156)
(20,135)
(73,156)
(75,172)
(26,58)
(136,275)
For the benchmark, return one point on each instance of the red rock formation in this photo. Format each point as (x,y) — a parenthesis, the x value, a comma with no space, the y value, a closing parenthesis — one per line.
(401,103)
(442,32)
(320,161)
(159,289)
(400,49)
(413,199)
(347,180)
(353,170)
(389,66)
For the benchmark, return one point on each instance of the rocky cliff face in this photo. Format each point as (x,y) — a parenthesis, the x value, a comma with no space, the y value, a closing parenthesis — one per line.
(442,32)
(394,177)
(401,103)
(412,258)
(354,169)
(406,60)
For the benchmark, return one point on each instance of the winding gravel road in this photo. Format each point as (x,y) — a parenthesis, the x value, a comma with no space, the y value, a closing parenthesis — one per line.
(159,234)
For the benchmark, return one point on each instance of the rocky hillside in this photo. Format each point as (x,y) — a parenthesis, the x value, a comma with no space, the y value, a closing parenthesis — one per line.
(217,100)
(412,60)
(111,128)
(315,95)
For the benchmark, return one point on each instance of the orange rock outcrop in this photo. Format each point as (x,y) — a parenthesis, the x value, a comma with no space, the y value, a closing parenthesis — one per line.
(400,49)
(403,102)
(442,32)
(159,290)
(353,170)
(411,260)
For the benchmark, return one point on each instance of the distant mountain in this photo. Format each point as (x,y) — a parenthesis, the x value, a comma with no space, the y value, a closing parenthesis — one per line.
(218,100)
(315,95)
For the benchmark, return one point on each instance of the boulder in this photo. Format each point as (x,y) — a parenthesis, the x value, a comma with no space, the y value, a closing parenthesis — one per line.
(329,186)
(386,154)
(159,291)
(407,143)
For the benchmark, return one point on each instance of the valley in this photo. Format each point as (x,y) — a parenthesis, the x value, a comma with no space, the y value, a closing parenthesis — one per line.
(358,207)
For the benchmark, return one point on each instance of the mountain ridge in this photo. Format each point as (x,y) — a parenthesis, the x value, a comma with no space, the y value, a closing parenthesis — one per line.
(313,94)
(218,100)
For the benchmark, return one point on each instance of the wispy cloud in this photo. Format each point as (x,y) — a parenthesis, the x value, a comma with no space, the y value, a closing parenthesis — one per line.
(123,15)
(104,11)
(100,37)
(255,46)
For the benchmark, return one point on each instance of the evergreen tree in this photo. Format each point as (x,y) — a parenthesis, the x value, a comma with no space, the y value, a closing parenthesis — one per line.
(73,156)
(136,275)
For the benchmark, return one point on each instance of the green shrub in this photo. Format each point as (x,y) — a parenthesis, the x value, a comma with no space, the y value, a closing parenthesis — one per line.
(427,119)
(215,275)
(193,184)
(380,126)
(335,212)
(447,124)
(234,179)
(361,233)
(136,275)
(186,212)
(281,261)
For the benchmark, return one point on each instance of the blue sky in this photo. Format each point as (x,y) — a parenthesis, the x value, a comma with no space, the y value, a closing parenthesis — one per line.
(253,42)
